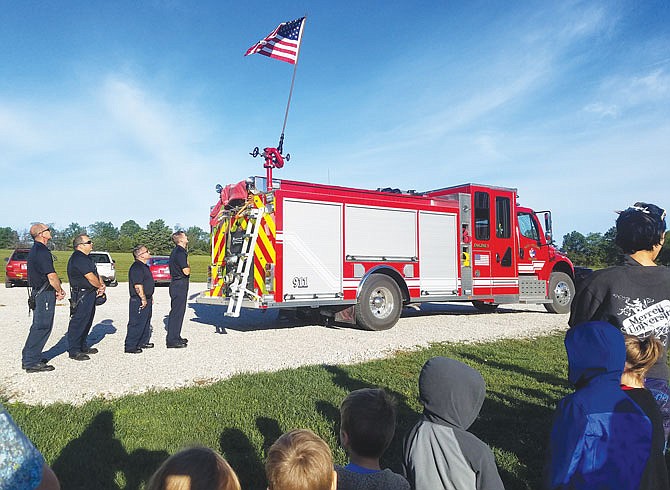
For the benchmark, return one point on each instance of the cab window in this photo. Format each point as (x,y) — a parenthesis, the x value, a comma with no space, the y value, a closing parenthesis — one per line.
(528,226)
(482,216)
(503,218)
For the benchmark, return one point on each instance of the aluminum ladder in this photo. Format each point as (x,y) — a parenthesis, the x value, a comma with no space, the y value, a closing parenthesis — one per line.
(244,264)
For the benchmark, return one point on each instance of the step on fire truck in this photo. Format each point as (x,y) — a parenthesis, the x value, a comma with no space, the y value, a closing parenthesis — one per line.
(359,256)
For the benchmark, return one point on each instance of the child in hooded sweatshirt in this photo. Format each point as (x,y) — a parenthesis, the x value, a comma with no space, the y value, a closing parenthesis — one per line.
(641,354)
(600,437)
(439,452)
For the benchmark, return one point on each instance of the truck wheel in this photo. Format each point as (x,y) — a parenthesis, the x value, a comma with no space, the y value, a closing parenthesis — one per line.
(485,307)
(379,303)
(9,284)
(561,293)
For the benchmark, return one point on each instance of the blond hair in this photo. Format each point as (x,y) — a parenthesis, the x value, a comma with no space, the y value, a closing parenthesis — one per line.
(300,460)
(194,468)
(641,354)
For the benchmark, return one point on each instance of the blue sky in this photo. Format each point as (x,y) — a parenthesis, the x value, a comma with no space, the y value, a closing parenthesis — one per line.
(122,110)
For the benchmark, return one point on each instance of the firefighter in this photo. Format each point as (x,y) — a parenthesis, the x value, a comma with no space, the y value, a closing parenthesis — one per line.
(141,286)
(180,271)
(86,287)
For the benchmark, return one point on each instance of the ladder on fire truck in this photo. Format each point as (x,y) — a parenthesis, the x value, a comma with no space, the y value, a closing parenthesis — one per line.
(238,288)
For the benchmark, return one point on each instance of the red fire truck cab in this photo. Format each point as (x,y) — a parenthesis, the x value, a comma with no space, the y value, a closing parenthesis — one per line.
(361,255)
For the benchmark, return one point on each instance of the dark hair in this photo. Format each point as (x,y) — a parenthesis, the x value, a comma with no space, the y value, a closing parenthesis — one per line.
(136,250)
(176,235)
(78,240)
(640,227)
(368,417)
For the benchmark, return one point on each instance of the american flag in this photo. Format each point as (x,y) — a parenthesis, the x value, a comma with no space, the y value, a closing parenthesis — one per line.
(282,43)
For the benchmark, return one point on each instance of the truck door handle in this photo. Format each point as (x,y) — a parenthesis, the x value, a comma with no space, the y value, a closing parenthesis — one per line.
(498,258)
(521,253)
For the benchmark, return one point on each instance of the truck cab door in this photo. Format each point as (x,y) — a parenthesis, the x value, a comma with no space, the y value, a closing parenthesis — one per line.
(529,261)
(504,257)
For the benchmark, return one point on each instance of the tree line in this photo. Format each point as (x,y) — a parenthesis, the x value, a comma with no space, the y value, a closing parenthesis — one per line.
(594,250)
(157,237)
(597,250)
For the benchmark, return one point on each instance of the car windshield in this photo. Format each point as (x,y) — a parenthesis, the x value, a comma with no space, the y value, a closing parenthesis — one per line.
(100,258)
(22,255)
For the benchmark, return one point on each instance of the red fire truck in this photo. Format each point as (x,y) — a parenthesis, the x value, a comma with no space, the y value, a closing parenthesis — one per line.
(359,256)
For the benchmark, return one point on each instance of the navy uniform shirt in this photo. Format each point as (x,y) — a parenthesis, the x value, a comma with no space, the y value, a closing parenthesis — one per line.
(40,264)
(178,262)
(78,266)
(139,273)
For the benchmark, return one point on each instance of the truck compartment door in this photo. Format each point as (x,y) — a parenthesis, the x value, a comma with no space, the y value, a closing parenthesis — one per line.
(438,253)
(312,234)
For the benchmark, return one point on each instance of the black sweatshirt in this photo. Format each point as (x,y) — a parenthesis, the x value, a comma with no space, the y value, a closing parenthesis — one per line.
(633,298)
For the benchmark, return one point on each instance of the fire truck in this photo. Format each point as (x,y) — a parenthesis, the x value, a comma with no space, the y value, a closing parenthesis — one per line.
(359,256)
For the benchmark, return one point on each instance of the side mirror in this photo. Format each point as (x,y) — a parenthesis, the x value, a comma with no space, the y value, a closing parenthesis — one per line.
(6,259)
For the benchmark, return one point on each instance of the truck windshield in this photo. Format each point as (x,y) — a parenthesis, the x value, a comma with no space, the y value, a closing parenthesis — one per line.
(528,226)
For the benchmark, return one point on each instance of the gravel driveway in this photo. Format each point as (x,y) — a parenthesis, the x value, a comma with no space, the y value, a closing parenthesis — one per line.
(220,347)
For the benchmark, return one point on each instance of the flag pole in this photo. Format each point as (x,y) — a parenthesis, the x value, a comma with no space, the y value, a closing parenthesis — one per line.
(280,147)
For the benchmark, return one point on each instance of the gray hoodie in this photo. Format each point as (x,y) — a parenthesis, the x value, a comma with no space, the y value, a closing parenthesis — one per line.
(439,453)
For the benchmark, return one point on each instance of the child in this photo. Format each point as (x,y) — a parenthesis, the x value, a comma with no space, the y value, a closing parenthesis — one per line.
(195,468)
(439,452)
(300,460)
(600,437)
(641,354)
(367,425)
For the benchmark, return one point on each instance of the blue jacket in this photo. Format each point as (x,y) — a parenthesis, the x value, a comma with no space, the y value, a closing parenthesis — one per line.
(600,438)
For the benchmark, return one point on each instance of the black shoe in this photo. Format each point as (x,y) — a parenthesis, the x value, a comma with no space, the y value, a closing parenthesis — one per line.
(79,356)
(148,345)
(44,360)
(90,350)
(183,340)
(176,346)
(40,367)
(136,350)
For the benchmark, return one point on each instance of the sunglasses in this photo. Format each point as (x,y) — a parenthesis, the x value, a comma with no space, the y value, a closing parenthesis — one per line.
(44,231)
(87,243)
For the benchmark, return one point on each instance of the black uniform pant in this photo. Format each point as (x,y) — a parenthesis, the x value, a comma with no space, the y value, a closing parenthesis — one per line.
(43,321)
(139,323)
(178,296)
(81,321)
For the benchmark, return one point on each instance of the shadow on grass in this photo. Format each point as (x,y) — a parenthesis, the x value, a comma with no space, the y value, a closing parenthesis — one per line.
(243,457)
(97,459)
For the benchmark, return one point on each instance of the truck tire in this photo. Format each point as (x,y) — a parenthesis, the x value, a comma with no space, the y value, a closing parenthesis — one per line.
(9,284)
(379,303)
(485,307)
(561,293)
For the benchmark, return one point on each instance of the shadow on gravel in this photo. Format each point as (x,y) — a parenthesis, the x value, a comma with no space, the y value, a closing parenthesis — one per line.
(98,332)
(97,459)
(249,320)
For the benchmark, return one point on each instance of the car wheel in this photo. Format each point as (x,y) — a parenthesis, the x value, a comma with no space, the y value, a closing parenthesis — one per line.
(379,303)
(561,293)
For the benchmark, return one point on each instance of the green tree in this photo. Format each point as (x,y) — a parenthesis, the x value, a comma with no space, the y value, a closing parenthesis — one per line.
(105,236)
(612,254)
(129,229)
(157,237)
(8,238)
(575,245)
(198,240)
(62,239)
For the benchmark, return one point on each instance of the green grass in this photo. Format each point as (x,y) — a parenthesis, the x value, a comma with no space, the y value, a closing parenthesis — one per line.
(119,443)
(199,265)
